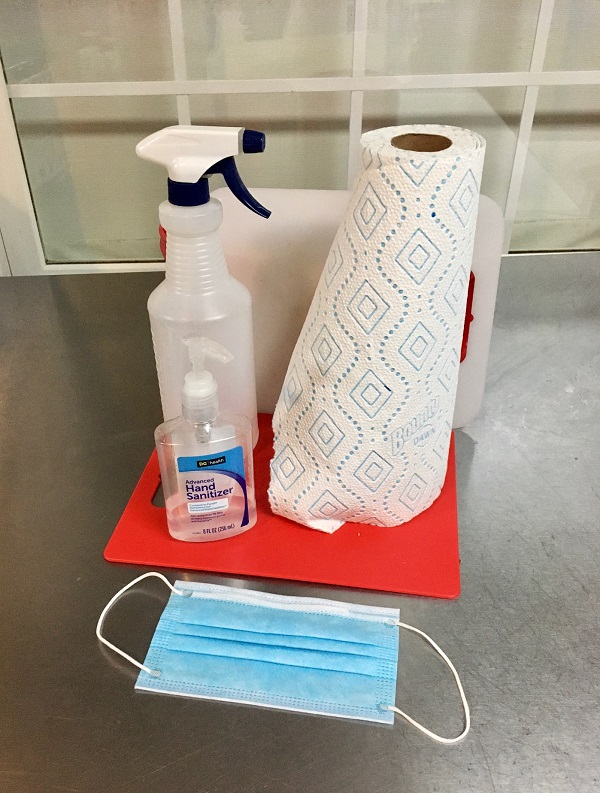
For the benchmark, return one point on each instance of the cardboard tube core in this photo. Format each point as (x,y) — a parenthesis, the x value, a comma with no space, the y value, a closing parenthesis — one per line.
(421,141)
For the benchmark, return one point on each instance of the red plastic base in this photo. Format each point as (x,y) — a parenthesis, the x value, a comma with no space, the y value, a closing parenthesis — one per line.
(417,558)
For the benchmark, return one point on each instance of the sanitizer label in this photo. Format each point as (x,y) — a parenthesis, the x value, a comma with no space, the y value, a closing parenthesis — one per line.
(211,482)
(204,507)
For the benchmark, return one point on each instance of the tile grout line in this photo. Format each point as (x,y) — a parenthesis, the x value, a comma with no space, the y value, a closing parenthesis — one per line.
(538,55)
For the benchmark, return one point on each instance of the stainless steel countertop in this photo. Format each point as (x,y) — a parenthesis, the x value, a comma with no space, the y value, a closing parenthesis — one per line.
(79,405)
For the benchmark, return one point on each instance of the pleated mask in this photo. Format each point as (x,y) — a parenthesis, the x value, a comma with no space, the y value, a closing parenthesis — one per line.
(300,654)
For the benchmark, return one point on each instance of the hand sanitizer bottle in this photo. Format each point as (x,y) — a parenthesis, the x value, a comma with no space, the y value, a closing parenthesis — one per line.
(206,458)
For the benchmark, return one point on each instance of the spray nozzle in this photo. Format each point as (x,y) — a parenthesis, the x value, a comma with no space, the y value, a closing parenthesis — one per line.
(253,142)
(192,153)
(199,395)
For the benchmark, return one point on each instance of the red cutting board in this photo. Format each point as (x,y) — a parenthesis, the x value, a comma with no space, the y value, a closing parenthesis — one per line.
(416,558)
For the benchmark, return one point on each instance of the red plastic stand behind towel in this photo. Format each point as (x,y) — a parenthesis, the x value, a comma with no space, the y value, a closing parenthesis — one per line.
(417,558)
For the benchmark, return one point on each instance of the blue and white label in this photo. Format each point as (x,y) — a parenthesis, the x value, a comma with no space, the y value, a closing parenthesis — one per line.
(211,482)
(231,460)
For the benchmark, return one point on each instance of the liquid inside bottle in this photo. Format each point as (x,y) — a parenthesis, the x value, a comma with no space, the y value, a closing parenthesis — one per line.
(207,477)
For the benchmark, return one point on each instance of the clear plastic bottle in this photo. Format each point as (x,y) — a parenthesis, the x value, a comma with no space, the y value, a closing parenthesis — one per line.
(199,296)
(206,459)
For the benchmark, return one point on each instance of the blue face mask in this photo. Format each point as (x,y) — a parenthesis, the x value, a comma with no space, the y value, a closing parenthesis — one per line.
(302,654)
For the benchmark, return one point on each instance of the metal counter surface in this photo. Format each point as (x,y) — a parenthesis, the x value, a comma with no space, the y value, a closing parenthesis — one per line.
(79,403)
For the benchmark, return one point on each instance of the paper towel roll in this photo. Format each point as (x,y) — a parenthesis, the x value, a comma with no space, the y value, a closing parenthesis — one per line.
(362,425)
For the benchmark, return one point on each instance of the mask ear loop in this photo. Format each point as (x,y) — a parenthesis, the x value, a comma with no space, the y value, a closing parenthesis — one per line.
(109,605)
(461,691)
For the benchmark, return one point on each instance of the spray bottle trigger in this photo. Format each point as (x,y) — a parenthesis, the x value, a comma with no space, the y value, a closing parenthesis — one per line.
(228,169)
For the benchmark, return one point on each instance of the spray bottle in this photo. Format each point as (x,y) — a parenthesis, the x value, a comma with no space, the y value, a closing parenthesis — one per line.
(198,296)
(205,457)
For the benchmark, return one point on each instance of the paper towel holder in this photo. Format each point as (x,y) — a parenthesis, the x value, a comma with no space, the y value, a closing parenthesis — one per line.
(421,141)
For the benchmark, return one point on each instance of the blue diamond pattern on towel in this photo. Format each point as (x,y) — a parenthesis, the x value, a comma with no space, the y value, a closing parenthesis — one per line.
(418,256)
(287,468)
(370,393)
(417,171)
(325,350)
(371,426)
(373,471)
(448,372)
(292,388)
(369,211)
(326,433)
(418,346)
(327,505)
(455,294)
(333,264)
(367,307)
(413,492)
(464,200)
(442,442)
